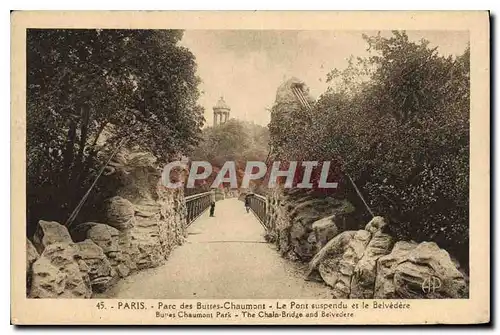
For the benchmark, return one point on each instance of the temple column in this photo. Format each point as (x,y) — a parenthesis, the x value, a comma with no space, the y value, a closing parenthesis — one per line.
(215,119)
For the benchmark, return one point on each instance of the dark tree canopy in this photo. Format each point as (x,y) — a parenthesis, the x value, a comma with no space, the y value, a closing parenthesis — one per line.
(87,90)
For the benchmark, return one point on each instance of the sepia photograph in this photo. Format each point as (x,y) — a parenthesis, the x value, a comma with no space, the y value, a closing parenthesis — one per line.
(225,168)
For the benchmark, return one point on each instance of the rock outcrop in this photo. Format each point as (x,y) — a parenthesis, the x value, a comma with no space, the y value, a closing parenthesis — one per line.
(327,260)
(50,232)
(419,271)
(354,252)
(116,245)
(151,220)
(366,264)
(365,272)
(60,272)
(303,223)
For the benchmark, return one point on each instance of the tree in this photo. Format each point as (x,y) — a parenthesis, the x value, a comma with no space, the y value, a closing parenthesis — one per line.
(399,120)
(235,140)
(87,90)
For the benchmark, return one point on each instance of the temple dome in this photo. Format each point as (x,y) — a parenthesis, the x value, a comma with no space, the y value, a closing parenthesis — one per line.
(221,104)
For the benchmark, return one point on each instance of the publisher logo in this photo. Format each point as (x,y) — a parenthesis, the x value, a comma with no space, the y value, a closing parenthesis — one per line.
(431,284)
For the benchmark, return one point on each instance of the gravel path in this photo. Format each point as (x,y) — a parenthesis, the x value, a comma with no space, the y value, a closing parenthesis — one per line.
(224,257)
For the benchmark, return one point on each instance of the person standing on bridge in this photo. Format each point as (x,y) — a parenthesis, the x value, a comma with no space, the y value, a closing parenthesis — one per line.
(247,201)
(212,204)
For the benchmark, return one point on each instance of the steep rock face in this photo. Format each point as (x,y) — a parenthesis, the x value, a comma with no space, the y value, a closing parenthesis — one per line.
(422,271)
(143,223)
(60,272)
(340,262)
(50,232)
(292,217)
(154,216)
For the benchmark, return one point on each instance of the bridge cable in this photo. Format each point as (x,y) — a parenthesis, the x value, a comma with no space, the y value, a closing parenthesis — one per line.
(305,104)
(355,187)
(77,209)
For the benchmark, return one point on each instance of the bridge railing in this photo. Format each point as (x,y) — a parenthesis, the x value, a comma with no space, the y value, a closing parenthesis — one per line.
(196,205)
(258,205)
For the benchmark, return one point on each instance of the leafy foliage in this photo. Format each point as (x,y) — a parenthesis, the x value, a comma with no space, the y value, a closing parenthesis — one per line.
(87,90)
(399,121)
(235,140)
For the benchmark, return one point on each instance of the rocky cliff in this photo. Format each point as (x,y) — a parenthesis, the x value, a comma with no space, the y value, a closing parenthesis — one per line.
(136,229)
(302,223)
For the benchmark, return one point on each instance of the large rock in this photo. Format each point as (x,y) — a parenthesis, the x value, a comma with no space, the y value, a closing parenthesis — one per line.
(422,271)
(324,230)
(150,250)
(375,225)
(337,260)
(296,211)
(50,232)
(329,256)
(386,265)
(353,253)
(430,273)
(60,273)
(101,273)
(79,232)
(119,213)
(365,272)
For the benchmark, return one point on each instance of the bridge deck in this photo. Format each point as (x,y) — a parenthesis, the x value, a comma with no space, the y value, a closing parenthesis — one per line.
(224,257)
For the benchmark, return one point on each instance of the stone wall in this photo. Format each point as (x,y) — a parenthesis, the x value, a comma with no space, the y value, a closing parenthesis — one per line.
(361,263)
(136,229)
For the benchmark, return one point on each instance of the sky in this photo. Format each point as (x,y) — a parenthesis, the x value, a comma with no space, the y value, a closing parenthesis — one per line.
(247,66)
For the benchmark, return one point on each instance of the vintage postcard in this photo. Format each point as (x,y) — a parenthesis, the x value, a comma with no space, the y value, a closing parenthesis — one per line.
(279,168)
